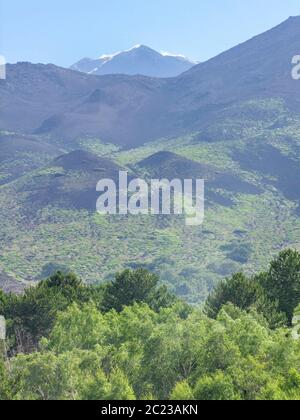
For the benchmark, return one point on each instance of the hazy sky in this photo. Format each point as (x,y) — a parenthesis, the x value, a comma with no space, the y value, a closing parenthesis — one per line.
(63,31)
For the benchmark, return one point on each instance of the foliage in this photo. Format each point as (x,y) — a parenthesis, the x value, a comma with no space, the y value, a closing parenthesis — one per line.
(127,349)
(95,247)
(137,286)
(282,282)
(275,293)
(215,388)
(31,316)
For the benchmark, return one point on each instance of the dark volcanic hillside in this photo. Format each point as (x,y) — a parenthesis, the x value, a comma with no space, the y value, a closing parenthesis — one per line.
(68,105)
(269,161)
(133,110)
(260,67)
(171,166)
(20,154)
(68,182)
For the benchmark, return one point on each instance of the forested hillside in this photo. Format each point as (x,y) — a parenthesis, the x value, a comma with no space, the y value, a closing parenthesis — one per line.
(132,339)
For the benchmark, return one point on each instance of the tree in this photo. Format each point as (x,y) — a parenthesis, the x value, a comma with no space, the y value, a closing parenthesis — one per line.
(31,316)
(139,286)
(75,375)
(238,290)
(78,327)
(5,385)
(182,392)
(253,380)
(245,293)
(147,347)
(3,300)
(282,282)
(218,387)
(51,268)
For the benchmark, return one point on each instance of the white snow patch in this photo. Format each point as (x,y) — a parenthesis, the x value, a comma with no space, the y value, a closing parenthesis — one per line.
(169,54)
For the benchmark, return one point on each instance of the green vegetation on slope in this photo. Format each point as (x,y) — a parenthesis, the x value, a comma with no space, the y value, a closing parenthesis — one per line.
(241,236)
(130,339)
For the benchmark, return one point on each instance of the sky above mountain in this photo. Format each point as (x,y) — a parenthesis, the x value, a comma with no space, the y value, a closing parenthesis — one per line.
(62,32)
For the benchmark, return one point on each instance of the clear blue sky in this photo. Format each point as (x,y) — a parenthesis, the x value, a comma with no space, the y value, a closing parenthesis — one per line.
(63,31)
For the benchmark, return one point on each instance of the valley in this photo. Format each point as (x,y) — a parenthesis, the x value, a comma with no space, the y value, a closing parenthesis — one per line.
(233,120)
(250,213)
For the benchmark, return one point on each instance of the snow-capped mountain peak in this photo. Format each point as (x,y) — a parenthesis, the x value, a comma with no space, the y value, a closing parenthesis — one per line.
(138,60)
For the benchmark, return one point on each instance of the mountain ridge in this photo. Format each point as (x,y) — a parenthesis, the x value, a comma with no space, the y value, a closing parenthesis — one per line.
(139,60)
(132,110)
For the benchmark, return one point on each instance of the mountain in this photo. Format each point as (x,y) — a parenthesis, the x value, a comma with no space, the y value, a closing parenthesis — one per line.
(139,60)
(234,120)
(260,67)
(132,110)
(68,105)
